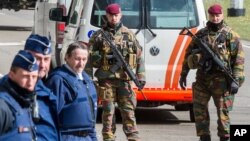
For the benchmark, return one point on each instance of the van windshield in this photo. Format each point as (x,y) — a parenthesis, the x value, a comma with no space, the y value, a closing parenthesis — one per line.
(171,14)
(156,14)
(130,11)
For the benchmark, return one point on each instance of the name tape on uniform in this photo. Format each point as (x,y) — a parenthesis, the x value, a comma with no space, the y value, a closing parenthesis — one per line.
(239,132)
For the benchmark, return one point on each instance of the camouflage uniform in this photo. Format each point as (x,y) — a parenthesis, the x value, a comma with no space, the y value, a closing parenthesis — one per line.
(116,87)
(211,81)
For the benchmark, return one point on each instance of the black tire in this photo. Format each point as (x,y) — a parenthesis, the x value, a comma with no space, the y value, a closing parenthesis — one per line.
(182,107)
(191,114)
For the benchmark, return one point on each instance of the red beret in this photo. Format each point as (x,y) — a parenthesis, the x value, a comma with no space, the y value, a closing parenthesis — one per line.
(113,8)
(215,9)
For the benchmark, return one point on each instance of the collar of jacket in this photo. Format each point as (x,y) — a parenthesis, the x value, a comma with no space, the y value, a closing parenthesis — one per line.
(113,29)
(23,96)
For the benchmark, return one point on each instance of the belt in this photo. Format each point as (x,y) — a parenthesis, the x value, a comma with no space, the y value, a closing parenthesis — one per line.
(83,133)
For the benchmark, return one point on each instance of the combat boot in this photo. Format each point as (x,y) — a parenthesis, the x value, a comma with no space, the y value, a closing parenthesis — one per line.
(205,138)
(224,138)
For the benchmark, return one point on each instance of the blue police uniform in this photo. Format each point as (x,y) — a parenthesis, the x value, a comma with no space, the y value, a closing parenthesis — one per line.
(17,102)
(46,127)
(77,104)
(23,127)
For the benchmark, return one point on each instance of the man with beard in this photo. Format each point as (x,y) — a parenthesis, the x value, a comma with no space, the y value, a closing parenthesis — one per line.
(211,80)
(115,86)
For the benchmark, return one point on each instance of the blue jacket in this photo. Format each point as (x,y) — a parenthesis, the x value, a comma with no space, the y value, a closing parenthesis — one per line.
(46,126)
(46,129)
(77,101)
(23,128)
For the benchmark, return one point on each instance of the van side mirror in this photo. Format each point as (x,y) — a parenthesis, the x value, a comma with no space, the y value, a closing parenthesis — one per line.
(73,19)
(56,14)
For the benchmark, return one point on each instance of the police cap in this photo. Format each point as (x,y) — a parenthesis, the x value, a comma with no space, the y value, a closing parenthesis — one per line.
(38,44)
(25,60)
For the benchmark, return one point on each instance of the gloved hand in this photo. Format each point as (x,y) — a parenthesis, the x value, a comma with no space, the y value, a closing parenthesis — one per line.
(234,87)
(143,83)
(183,82)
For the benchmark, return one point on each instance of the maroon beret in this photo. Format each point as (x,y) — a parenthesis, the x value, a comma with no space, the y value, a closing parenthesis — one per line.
(215,9)
(113,8)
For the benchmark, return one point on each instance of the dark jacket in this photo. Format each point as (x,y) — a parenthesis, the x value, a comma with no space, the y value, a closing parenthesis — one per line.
(77,101)
(16,123)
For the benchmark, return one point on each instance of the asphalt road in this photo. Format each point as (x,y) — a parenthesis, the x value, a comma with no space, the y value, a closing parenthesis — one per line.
(155,124)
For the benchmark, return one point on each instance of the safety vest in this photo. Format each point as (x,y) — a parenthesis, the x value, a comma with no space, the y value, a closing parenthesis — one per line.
(23,129)
(80,113)
(46,128)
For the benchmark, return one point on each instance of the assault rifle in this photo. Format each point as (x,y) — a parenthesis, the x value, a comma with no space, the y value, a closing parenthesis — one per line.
(208,52)
(121,63)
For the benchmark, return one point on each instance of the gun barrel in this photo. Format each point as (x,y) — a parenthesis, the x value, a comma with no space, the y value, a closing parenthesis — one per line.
(208,51)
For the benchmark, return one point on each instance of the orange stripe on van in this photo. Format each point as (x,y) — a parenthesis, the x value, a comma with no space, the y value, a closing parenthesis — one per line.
(179,64)
(172,60)
(170,95)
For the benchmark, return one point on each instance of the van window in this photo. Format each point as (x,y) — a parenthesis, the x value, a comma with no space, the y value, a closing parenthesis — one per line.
(171,14)
(159,14)
(130,12)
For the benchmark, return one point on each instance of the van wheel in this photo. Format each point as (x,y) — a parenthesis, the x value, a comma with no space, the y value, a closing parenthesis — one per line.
(182,107)
(191,114)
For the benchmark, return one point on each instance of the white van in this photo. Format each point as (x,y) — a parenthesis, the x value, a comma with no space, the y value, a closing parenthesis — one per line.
(157,24)
(59,21)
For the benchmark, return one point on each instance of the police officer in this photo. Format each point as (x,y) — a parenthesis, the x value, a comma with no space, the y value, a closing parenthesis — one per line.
(211,80)
(116,87)
(76,94)
(46,123)
(17,99)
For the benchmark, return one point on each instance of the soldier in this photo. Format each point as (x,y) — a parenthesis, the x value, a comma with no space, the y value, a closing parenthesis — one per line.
(116,87)
(17,99)
(211,80)
(47,130)
(76,94)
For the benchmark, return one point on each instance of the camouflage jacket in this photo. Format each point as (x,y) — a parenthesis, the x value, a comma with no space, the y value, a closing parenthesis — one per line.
(101,54)
(230,51)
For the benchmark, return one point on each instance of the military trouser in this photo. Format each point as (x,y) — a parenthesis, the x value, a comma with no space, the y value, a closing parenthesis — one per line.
(223,101)
(111,91)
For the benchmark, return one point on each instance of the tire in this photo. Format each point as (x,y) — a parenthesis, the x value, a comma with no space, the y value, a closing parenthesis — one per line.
(191,114)
(182,107)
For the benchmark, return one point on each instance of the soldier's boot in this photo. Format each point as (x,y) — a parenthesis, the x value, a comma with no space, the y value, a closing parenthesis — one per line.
(205,138)
(224,139)
(133,137)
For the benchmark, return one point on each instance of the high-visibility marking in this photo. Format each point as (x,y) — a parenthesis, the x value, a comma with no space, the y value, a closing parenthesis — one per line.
(174,69)
(179,64)
(165,94)
(172,60)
